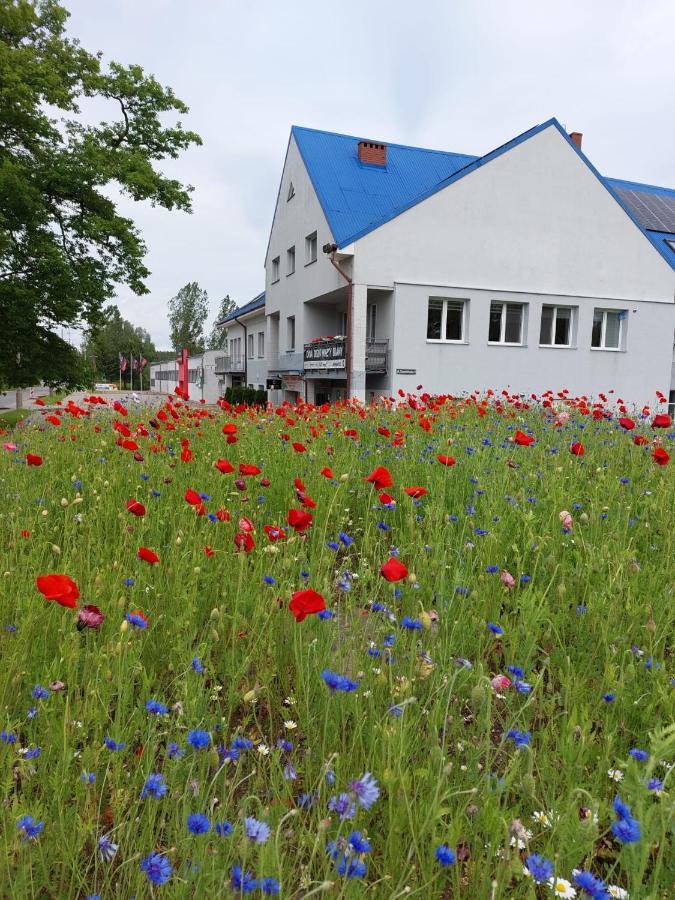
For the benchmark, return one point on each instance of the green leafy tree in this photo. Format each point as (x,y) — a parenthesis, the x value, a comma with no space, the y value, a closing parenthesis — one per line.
(188,311)
(218,336)
(63,245)
(115,335)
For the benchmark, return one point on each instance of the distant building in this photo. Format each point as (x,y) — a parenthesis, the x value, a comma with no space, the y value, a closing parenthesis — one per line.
(203,381)
(242,360)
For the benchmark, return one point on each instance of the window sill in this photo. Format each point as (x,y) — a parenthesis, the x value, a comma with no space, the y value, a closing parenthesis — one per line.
(288,274)
(310,263)
(608,349)
(275,281)
(557,347)
(504,344)
(441,341)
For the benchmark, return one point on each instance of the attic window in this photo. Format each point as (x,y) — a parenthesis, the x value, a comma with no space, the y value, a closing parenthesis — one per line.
(291,192)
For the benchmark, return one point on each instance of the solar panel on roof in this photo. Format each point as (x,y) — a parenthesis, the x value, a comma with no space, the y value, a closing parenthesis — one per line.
(655,211)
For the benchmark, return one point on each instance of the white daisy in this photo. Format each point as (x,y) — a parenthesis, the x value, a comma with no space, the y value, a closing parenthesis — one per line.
(289,725)
(615,891)
(615,774)
(541,818)
(562,888)
(263,749)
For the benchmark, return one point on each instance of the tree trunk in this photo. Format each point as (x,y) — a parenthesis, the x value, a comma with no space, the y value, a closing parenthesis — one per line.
(19,398)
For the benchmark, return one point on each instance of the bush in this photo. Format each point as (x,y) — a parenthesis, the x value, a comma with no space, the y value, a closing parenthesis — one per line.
(242,394)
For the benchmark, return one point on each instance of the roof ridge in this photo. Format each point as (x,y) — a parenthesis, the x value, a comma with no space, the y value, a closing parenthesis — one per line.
(354,137)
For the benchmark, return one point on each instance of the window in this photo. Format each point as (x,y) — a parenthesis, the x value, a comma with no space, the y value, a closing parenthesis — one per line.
(291,332)
(556,326)
(261,344)
(371,322)
(608,327)
(310,248)
(275,269)
(291,192)
(290,260)
(445,319)
(506,323)
(342,324)
(250,346)
(671,404)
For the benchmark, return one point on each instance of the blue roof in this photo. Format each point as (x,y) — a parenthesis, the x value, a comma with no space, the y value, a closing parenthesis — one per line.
(357,198)
(257,303)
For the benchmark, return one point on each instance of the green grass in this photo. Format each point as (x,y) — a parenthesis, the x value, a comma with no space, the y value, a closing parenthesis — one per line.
(12,417)
(591,614)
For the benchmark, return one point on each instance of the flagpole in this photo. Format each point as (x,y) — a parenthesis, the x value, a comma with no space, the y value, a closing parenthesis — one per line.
(119,366)
(131,370)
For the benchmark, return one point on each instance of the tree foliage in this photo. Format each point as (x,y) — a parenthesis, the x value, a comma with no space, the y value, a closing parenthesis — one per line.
(113,336)
(218,336)
(188,311)
(63,245)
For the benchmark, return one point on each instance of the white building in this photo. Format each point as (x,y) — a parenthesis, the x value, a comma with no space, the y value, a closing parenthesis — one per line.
(391,266)
(242,360)
(203,380)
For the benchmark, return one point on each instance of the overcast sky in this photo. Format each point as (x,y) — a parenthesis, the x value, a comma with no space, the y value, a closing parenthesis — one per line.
(460,75)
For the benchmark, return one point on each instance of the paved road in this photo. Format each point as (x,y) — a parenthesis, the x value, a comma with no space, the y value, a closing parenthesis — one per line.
(8,400)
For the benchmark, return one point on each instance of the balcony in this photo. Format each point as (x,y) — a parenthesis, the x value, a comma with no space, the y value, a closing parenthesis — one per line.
(224,365)
(330,354)
(289,361)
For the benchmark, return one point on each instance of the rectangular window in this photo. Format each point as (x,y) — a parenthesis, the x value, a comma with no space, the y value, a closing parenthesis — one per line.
(310,248)
(261,344)
(290,260)
(556,326)
(371,322)
(291,332)
(608,327)
(506,323)
(445,319)
(250,346)
(275,269)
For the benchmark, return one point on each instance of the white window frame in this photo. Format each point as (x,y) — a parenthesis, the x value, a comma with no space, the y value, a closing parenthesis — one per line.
(555,308)
(251,346)
(371,321)
(261,345)
(502,327)
(290,333)
(622,313)
(276,268)
(444,319)
(311,248)
(290,261)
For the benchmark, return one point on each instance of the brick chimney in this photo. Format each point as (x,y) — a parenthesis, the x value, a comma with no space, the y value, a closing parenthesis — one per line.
(575,137)
(372,154)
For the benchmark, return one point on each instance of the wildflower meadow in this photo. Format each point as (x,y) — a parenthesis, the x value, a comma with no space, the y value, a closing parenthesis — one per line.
(415,649)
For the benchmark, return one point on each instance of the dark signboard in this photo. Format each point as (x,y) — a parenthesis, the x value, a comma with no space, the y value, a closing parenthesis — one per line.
(325,355)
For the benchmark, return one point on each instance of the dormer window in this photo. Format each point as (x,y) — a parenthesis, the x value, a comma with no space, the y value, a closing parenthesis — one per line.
(291,192)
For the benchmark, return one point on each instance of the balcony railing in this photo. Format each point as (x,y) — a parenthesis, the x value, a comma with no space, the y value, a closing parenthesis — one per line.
(330,354)
(226,364)
(289,361)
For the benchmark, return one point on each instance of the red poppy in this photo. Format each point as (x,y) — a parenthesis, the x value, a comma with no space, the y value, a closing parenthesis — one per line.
(224,466)
(661,421)
(380,478)
(326,472)
(246,525)
(298,447)
(627,424)
(89,616)
(640,440)
(223,515)
(416,492)
(304,603)
(523,440)
(209,551)
(393,570)
(274,533)
(147,556)
(135,508)
(383,431)
(186,455)
(192,497)
(59,588)
(54,420)
(386,499)
(25,533)
(245,469)
(33,460)
(230,428)
(660,456)
(244,541)
(39,402)
(299,520)
(446,460)
(577,449)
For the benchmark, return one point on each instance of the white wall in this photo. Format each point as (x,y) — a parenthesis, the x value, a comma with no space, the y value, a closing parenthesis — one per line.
(634,374)
(209,390)
(535,219)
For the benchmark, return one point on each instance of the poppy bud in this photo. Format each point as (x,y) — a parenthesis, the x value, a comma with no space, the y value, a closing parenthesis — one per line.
(64,502)
(215,614)
(124,627)
(56,550)
(240,484)
(250,696)
(215,637)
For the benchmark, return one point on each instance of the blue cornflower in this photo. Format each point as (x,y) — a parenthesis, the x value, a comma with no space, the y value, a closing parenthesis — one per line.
(411,624)
(523,687)
(129,582)
(32,712)
(333,545)
(39,692)
(516,671)
(495,629)
(627,830)
(445,856)
(228,754)
(173,751)
(7,737)
(241,881)
(290,773)
(284,745)
(345,538)
(366,790)
(540,868)
(30,828)
(155,708)
(590,885)
(198,823)
(88,777)
(197,665)
(158,494)
(11,629)
(145,476)
(269,886)
(307,800)
(223,829)
(352,868)
(107,848)
(198,738)
(136,620)
(481,532)
(157,868)
(32,753)
(462,591)
(154,786)
(242,743)
(325,614)
(268,579)
(492,570)
(525,579)
(395,710)
(373,651)
(336,682)
(256,830)
(330,777)
(389,640)
(343,805)
(383,526)
(609,698)
(655,785)
(304,574)
(639,755)
(358,843)
(519,738)
(113,745)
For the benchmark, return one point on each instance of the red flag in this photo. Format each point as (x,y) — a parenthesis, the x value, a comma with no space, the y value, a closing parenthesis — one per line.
(123,363)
